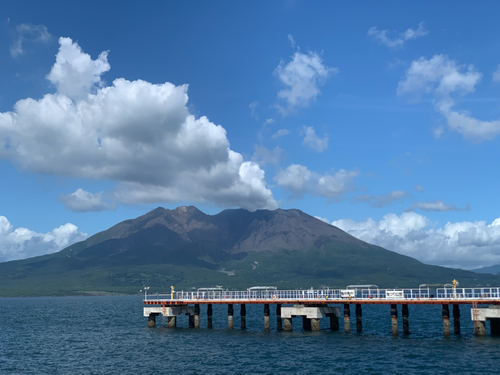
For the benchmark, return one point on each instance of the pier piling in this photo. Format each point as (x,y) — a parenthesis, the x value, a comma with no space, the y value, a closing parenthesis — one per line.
(456,319)
(191,321)
(196,316)
(446,320)
(347,318)
(279,322)
(359,321)
(334,322)
(406,323)
(267,324)
(209,315)
(230,316)
(479,328)
(243,314)
(394,319)
(315,324)
(152,319)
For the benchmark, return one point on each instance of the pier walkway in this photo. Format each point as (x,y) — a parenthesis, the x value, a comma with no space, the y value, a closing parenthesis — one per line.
(314,304)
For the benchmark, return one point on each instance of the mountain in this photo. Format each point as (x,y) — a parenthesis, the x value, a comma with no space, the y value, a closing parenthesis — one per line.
(495,270)
(236,248)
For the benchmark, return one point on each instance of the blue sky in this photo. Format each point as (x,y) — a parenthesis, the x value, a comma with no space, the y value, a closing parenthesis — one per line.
(381,118)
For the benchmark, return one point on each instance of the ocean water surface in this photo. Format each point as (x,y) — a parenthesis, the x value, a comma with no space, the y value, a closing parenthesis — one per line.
(105,335)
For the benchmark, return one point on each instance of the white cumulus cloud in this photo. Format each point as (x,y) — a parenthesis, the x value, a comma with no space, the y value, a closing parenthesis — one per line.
(463,244)
(442,78)
(84,201)
(21,243)
(302,77)
(312,140)
(381,35)
(75,74)
(299,180)
(138,134)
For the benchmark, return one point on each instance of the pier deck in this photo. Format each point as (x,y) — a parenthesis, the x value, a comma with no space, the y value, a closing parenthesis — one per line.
(312,305)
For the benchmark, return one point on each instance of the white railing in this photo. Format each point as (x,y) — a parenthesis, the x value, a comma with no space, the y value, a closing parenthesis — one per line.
(336,294)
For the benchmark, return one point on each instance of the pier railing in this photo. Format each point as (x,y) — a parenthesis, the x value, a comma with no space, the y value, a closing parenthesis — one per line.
(336,294)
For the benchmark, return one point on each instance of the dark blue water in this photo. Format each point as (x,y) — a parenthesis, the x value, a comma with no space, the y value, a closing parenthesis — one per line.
(104,335)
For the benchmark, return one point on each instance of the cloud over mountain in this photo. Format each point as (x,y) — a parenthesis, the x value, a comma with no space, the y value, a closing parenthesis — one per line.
(136,133)
(461,244)
(23,243)
(299,180)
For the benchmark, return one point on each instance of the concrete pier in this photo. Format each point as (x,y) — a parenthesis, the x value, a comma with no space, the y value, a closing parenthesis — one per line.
(196,316)
(347,318)
(312,305)
(311,315)
(209,315)
(243,314)
(152,319)
(267,324)
(230,313)
(279,322)
(446,320)
(394,319)
(406,324)
(456,319)
(359,321)
(479,317)
(172,322)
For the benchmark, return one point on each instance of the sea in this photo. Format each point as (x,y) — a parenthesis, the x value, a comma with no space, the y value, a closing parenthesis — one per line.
(109,335)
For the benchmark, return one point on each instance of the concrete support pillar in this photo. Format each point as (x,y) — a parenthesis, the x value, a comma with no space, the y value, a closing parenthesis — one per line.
(359,320)
(267,324)
(406,323)
(334,322)
(456,319)
(306,323)
(197,316)
(243,314)
(279,322)
(152,320)
(495,326)
(315,324)
(230,313)
(172,322)
(394,319)
(446,320)
(479,328)
(209,315)
(287,324)
(347,318)
(191,321)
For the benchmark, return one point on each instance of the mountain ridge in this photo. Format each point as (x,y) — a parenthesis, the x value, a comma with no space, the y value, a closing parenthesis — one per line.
(188,248)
